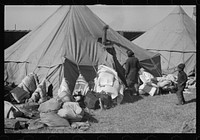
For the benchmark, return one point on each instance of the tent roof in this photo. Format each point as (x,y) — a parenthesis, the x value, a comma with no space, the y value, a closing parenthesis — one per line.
(176,32)
(68,33)
(174,38)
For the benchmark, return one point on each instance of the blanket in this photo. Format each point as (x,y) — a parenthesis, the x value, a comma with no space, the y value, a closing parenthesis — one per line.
(108,81)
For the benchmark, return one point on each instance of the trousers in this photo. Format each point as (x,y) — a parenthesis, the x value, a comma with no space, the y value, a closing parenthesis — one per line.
(133,86)
(179,95)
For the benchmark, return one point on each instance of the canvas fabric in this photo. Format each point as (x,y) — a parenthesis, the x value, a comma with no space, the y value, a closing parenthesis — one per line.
(65,45)
(174,37)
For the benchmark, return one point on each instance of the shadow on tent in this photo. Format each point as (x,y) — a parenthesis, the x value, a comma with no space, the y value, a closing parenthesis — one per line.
(128,98)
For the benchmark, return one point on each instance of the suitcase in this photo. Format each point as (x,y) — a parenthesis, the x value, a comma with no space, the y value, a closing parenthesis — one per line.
(148,89)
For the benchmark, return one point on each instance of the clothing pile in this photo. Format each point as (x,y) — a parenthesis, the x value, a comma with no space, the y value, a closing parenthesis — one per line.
(148,85)
(190,85)
(58,111)
(191,82)
(154,85)
(109,82)
(168,83)
(30,90)
(166,80)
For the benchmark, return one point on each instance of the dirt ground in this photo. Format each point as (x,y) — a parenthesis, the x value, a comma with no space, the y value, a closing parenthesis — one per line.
(145,114)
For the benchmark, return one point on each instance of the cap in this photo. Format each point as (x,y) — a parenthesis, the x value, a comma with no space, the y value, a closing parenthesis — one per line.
(181,66)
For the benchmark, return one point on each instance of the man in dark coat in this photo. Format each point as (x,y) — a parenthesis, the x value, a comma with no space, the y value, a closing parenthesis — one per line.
(132,67)
(182,79)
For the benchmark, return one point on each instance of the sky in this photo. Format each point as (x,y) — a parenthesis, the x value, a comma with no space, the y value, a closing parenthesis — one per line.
(118,17)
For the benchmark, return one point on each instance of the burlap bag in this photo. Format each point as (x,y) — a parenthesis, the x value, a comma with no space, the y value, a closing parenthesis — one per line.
(53,119)
(71,111)
(50,105)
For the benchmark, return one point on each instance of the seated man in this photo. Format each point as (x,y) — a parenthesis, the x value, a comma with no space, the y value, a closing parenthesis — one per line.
(148,83)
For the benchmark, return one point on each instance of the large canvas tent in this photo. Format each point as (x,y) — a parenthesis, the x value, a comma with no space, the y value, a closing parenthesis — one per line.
(174,38)
(65,45)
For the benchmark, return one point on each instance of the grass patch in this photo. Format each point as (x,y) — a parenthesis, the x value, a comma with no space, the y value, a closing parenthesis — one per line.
(146,114)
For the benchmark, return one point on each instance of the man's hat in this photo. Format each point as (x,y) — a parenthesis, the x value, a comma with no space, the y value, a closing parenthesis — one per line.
(181,66)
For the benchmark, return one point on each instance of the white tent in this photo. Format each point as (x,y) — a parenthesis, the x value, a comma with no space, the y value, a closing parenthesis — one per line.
(66,44)
(174,38)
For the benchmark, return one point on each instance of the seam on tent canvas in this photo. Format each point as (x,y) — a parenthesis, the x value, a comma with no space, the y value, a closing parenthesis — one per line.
(54,38)
(159,72)
(57,67)
(47,19)
(188,31)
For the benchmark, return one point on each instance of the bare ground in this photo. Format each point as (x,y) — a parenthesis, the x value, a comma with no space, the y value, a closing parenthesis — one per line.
(146,114)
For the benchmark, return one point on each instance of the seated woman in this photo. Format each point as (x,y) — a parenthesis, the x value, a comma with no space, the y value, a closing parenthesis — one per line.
(148,83)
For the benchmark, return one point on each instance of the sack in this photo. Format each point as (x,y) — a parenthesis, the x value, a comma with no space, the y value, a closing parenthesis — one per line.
(11,111)
(91,100)
(71,111)
(50,105)
(19,94)
(53,119)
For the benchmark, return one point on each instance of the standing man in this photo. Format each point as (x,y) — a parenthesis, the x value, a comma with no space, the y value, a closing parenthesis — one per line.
(182,79)
(132,67)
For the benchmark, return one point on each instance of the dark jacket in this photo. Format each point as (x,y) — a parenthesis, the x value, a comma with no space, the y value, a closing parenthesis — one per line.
(182,78)
(132,67)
